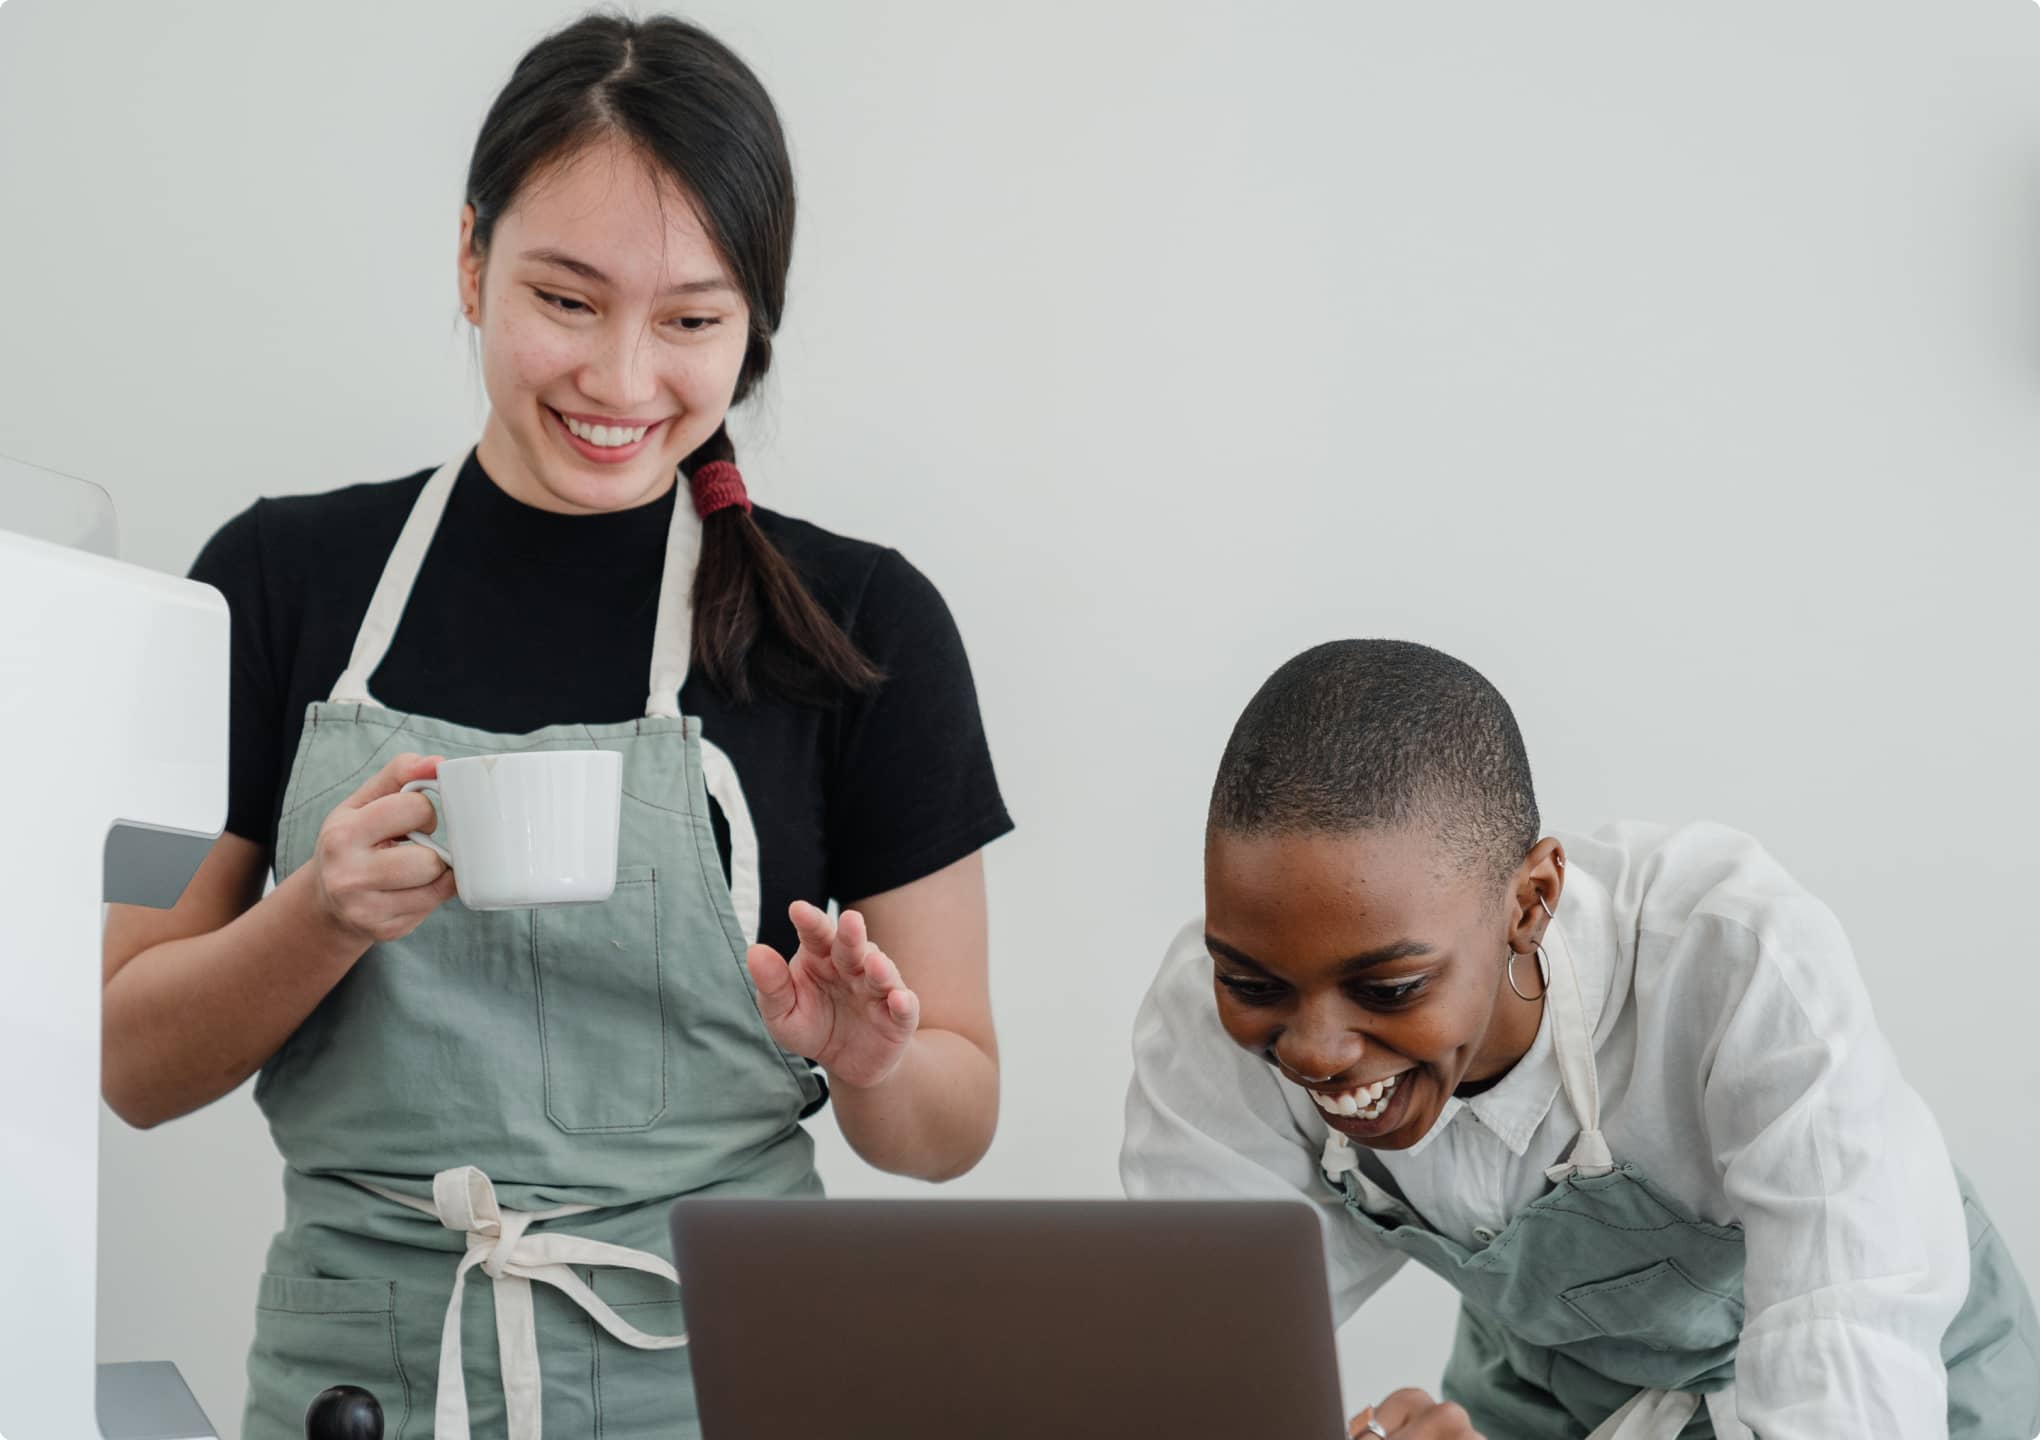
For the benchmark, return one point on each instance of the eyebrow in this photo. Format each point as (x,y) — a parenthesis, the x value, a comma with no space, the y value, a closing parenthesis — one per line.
(564,261)
(1351,965)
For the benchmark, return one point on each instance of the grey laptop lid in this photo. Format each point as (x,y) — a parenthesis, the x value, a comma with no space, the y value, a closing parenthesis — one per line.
(913,1320)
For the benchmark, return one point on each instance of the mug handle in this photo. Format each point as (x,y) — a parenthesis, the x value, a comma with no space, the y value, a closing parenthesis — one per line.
(430,789)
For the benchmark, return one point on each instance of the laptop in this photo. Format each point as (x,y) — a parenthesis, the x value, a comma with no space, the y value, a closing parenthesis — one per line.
(1007,1319)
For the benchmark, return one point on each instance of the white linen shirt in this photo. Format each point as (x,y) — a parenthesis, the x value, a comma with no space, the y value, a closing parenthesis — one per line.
(1740,1069)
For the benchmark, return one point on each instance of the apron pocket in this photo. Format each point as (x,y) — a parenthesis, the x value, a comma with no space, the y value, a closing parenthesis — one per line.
(311,1334)
(601,1009)
(642,1392)
(1660,1307)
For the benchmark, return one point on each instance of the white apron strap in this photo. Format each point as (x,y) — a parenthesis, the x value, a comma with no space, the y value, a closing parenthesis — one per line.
(464,1201)
(1573,1043)
(747,888)
(1649,1415)
(1721,1410)
(393,590)
(671,639)
(1339,1159)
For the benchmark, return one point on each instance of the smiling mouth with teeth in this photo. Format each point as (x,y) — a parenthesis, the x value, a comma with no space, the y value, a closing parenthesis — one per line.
(606,437)
(1367,1102)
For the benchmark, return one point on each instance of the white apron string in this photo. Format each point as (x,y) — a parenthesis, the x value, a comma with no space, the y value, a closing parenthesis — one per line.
(747,886)
(671,639)
(1339,1159)
(1649,1415)
(464,1200)
(393,590)
(1573,1043)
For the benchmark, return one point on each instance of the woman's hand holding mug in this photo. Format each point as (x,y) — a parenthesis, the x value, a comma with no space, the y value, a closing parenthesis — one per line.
(370,884)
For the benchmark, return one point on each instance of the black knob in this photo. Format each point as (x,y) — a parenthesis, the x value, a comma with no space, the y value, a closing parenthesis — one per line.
(345,1412)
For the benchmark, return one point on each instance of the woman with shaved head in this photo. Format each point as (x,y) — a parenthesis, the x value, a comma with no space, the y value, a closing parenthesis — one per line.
(1624,1092)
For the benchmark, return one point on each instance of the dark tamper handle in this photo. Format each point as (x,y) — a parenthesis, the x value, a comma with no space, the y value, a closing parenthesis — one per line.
(345,1412)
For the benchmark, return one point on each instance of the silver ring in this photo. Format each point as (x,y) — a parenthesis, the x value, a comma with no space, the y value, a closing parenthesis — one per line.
(1374,1428)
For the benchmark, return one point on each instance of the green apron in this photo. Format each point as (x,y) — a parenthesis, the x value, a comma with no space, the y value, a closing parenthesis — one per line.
(522,1092)
(1607,1308)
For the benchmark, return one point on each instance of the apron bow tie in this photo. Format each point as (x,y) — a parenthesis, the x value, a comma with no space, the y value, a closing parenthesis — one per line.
(464,1201)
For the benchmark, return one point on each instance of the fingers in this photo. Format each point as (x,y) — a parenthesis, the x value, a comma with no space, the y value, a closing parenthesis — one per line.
(370,889)
(881,981)
(402,867)
(1399,1409)
(379,812)
(856,959)
(1411,1414)
(842,948)
(878,973)
(903,1008)
(1357,1426)
(392,817)
(848,953)
(409,907)
(1440,1422)
(774,979)
(839,954)
(816,930)
(400,771)
(376,914)
(872,972)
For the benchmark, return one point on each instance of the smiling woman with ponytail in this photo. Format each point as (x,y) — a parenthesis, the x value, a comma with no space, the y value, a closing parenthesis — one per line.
(808,733)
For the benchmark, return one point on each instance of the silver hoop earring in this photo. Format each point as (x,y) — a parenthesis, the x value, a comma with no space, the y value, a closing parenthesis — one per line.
(1543,971)
(1547,908)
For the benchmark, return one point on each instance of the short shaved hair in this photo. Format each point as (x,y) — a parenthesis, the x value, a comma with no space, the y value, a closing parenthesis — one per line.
(1379,734)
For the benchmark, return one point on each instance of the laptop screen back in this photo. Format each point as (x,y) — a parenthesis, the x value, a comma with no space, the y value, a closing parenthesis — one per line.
(913,1320)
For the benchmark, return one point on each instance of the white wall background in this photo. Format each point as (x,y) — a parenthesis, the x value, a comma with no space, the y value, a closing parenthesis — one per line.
(1679,366)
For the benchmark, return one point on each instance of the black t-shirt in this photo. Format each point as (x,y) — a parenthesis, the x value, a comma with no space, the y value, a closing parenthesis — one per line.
(523,618)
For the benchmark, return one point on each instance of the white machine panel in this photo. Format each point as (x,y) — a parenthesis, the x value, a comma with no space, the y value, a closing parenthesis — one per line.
(113,713)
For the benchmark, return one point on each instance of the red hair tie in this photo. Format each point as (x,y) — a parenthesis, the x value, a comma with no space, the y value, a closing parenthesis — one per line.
(717,486)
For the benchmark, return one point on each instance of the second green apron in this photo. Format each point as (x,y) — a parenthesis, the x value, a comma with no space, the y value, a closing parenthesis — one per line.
(1606,1308)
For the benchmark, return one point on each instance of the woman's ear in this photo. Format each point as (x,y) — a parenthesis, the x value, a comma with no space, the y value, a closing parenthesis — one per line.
(1534,891)
(469,265)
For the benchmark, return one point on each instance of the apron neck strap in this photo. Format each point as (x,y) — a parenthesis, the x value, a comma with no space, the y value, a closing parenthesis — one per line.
(1572,1041)
(393,590)
(670,640)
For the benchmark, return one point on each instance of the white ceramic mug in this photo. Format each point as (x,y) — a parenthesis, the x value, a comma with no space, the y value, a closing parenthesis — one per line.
(534,828)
